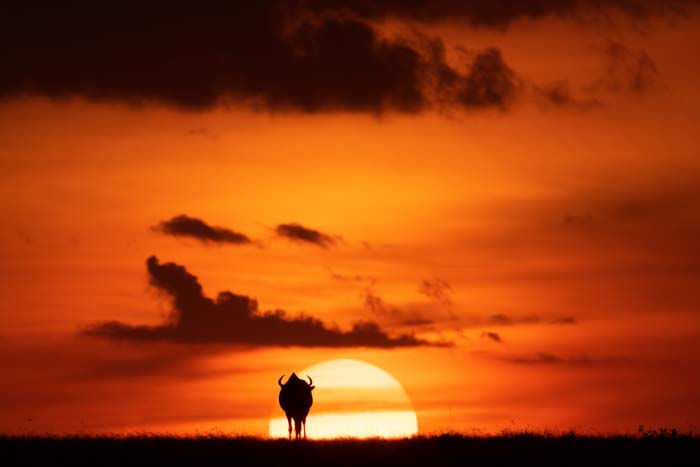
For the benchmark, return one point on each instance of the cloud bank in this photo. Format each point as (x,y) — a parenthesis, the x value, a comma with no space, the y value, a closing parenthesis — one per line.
(235,319)
(302,56)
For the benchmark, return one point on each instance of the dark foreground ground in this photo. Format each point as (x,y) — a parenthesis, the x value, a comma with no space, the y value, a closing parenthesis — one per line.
(507,450)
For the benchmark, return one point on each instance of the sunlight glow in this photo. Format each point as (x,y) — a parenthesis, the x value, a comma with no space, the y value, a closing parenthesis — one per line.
(353,399)
(388,424)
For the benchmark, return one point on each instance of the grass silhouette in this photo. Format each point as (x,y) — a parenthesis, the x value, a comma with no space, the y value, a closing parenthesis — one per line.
(649,447)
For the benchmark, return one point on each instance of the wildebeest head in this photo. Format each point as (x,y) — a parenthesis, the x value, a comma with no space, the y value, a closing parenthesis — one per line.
(295,381)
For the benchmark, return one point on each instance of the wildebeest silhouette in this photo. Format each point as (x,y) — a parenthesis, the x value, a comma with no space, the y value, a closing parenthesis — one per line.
(296,400)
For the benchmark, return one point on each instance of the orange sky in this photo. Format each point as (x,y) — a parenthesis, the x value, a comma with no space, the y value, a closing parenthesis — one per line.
(568,231)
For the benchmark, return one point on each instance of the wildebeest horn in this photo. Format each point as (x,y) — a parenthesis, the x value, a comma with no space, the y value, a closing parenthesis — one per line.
(310,380)
(279,381)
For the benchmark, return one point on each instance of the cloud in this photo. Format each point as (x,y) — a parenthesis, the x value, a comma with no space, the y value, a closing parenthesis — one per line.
(350,277)
(390,313)
(185,226)
(298,232)
(265,55)
(436,289)
(543,358)
(505,320)
(564,321)
(558,94)
(416,321)
(494,336)
(489,83)
(635,71)
(627,71)
(235,319)
(377,305)
(501,319)
(490,14)
(578,219)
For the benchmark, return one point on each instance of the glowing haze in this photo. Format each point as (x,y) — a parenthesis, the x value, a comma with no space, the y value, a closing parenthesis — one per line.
(495,203)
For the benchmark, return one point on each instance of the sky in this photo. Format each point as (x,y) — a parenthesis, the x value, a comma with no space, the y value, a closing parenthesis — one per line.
(493,202)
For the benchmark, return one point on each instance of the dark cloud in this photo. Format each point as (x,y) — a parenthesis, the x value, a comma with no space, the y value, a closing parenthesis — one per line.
(501,319)
(417,321)
(489,83)
(298,232)
(267,55)
(350,277)
(505,320)
(544,358)
(499,14)
(494,336)
(578,219)
(185,226)
(624,71)
(235,319)
(436,289)
(301,56)
(627,71)
(550,359)
(392,314)
(558,94)
(376,304)
(565,320)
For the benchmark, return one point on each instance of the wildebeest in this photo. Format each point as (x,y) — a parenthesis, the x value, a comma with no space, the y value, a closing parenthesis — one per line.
(296,400)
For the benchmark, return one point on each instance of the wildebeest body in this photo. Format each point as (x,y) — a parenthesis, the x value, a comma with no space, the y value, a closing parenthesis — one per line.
(295,399)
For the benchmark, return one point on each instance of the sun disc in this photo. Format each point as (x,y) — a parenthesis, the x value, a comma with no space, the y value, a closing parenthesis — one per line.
(353,399)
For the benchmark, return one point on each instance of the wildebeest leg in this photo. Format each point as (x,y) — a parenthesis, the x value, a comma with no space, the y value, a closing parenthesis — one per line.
(289,422)
(297,428)
(303,423)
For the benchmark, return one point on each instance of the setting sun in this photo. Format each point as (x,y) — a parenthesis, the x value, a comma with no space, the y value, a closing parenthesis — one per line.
(353,399)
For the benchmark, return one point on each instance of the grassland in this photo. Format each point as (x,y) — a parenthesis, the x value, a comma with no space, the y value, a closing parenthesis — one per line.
(663,448)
